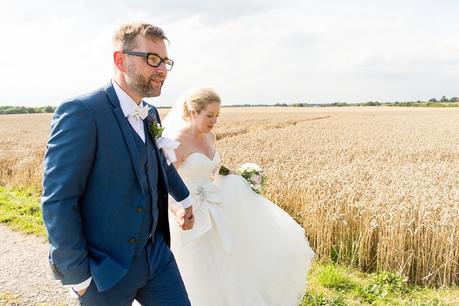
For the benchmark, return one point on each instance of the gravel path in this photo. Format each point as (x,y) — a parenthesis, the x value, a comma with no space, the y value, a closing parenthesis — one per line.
(25,276)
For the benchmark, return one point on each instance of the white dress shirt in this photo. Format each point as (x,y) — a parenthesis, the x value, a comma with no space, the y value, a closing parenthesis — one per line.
(127,105)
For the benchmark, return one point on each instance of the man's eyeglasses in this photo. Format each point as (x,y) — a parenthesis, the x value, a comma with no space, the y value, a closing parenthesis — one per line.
(152,59)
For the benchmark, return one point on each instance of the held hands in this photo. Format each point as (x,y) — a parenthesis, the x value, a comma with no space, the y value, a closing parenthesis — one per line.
(188,219)
(185,217)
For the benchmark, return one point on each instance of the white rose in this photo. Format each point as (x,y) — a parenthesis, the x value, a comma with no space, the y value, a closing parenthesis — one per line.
(250,166)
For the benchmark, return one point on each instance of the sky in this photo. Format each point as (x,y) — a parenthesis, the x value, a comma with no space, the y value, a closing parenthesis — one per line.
(254,52)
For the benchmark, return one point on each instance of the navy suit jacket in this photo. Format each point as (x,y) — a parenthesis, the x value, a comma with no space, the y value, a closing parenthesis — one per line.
(92,190)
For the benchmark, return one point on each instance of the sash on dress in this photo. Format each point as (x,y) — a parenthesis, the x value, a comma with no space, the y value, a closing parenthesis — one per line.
(208,212)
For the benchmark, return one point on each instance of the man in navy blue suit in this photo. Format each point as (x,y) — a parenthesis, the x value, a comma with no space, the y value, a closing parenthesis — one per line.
(106,184)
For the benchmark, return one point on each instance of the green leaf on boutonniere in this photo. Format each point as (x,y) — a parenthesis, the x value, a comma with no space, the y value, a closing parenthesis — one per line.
(156,129)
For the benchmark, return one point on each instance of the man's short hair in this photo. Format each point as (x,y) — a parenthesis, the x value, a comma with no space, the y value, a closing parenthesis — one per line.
(124,38)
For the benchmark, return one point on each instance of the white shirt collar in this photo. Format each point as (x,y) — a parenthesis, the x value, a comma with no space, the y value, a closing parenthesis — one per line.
(126,102)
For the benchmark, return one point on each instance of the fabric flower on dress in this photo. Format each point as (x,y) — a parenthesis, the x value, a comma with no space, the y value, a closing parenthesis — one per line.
(207,210)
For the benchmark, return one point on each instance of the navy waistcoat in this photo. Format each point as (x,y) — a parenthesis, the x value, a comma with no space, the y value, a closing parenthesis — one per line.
(149,178)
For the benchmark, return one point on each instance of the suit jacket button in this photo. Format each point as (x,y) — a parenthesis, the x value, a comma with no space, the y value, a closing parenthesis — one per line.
(139,210)
(132,240)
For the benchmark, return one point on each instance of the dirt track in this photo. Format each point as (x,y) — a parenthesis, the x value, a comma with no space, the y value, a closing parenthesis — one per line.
(25,276)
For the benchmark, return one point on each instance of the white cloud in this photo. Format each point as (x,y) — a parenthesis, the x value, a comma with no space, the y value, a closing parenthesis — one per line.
(251,52)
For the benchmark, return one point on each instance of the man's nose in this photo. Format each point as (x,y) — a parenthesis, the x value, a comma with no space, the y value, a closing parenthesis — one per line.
(162,69)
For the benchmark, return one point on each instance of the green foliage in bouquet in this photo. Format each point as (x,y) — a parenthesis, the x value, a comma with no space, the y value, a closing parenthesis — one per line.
(251,172)
(224,171)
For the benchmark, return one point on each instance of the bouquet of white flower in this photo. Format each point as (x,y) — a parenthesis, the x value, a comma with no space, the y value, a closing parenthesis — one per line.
(251,172)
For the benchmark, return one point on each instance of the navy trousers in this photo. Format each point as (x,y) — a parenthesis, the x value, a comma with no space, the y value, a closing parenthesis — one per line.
(153,279)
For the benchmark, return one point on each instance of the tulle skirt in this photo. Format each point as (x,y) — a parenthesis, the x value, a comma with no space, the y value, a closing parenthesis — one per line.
(266,263)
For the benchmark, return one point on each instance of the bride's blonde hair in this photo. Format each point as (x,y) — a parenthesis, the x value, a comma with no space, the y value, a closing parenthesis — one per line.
(197,99)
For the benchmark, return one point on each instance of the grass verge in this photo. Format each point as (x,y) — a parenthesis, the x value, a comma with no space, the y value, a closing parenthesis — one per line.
(20,210)
(337,285)
(10,299)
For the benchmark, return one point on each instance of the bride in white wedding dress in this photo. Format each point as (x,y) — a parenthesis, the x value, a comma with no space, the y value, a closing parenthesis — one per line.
(243,250)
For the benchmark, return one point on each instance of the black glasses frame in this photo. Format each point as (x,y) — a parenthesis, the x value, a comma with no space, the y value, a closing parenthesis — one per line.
(167,61)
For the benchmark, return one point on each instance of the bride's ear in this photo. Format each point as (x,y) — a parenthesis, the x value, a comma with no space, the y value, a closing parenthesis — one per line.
(193,114)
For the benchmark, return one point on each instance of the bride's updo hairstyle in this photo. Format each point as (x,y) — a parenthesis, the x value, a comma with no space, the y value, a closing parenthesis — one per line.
(197,100)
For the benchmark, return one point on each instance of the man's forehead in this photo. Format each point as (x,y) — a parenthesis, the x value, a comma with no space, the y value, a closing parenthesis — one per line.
(152,43)
(141,39)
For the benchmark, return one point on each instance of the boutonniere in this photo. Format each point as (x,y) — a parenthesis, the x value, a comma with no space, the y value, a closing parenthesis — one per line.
(154,128)
(164,144)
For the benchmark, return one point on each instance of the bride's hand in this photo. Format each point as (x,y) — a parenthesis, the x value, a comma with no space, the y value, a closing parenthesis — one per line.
(184,217)
(176,210)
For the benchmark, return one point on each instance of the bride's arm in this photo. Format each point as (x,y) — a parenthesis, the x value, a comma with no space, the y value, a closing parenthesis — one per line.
(180,151)
(173,206)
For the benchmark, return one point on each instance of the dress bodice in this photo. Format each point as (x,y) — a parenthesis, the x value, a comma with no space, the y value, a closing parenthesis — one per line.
(198,169)
(197,172)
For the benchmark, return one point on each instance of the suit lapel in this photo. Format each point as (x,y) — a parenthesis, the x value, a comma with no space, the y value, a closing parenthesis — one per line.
(161,171)
(125,129)
(151,151)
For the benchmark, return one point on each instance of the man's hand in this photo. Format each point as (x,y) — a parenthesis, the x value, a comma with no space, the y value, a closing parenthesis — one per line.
(82,292)
(188,219)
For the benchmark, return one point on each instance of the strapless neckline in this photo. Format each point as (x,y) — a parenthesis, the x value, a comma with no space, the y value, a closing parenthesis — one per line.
(202,154)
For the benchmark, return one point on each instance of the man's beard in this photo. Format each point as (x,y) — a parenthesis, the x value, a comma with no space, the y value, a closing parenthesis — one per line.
(140,84)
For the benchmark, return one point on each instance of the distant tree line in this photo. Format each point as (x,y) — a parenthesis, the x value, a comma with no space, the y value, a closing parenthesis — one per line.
(26,110)
(445,99)
(442,102)
(248,105)
(334,104)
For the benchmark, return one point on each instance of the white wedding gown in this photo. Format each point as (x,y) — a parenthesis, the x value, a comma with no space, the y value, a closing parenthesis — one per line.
(243,250)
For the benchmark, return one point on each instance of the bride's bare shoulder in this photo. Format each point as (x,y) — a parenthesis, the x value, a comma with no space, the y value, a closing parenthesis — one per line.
(186,143)
(183,150)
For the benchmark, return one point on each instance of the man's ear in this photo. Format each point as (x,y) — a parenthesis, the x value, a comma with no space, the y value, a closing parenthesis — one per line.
(119,59)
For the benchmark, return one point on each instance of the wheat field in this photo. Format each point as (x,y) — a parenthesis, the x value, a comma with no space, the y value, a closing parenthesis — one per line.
(373,187)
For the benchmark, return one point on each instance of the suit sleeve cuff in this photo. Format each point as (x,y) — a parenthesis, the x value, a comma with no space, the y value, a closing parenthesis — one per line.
(186,203)
(80,286)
